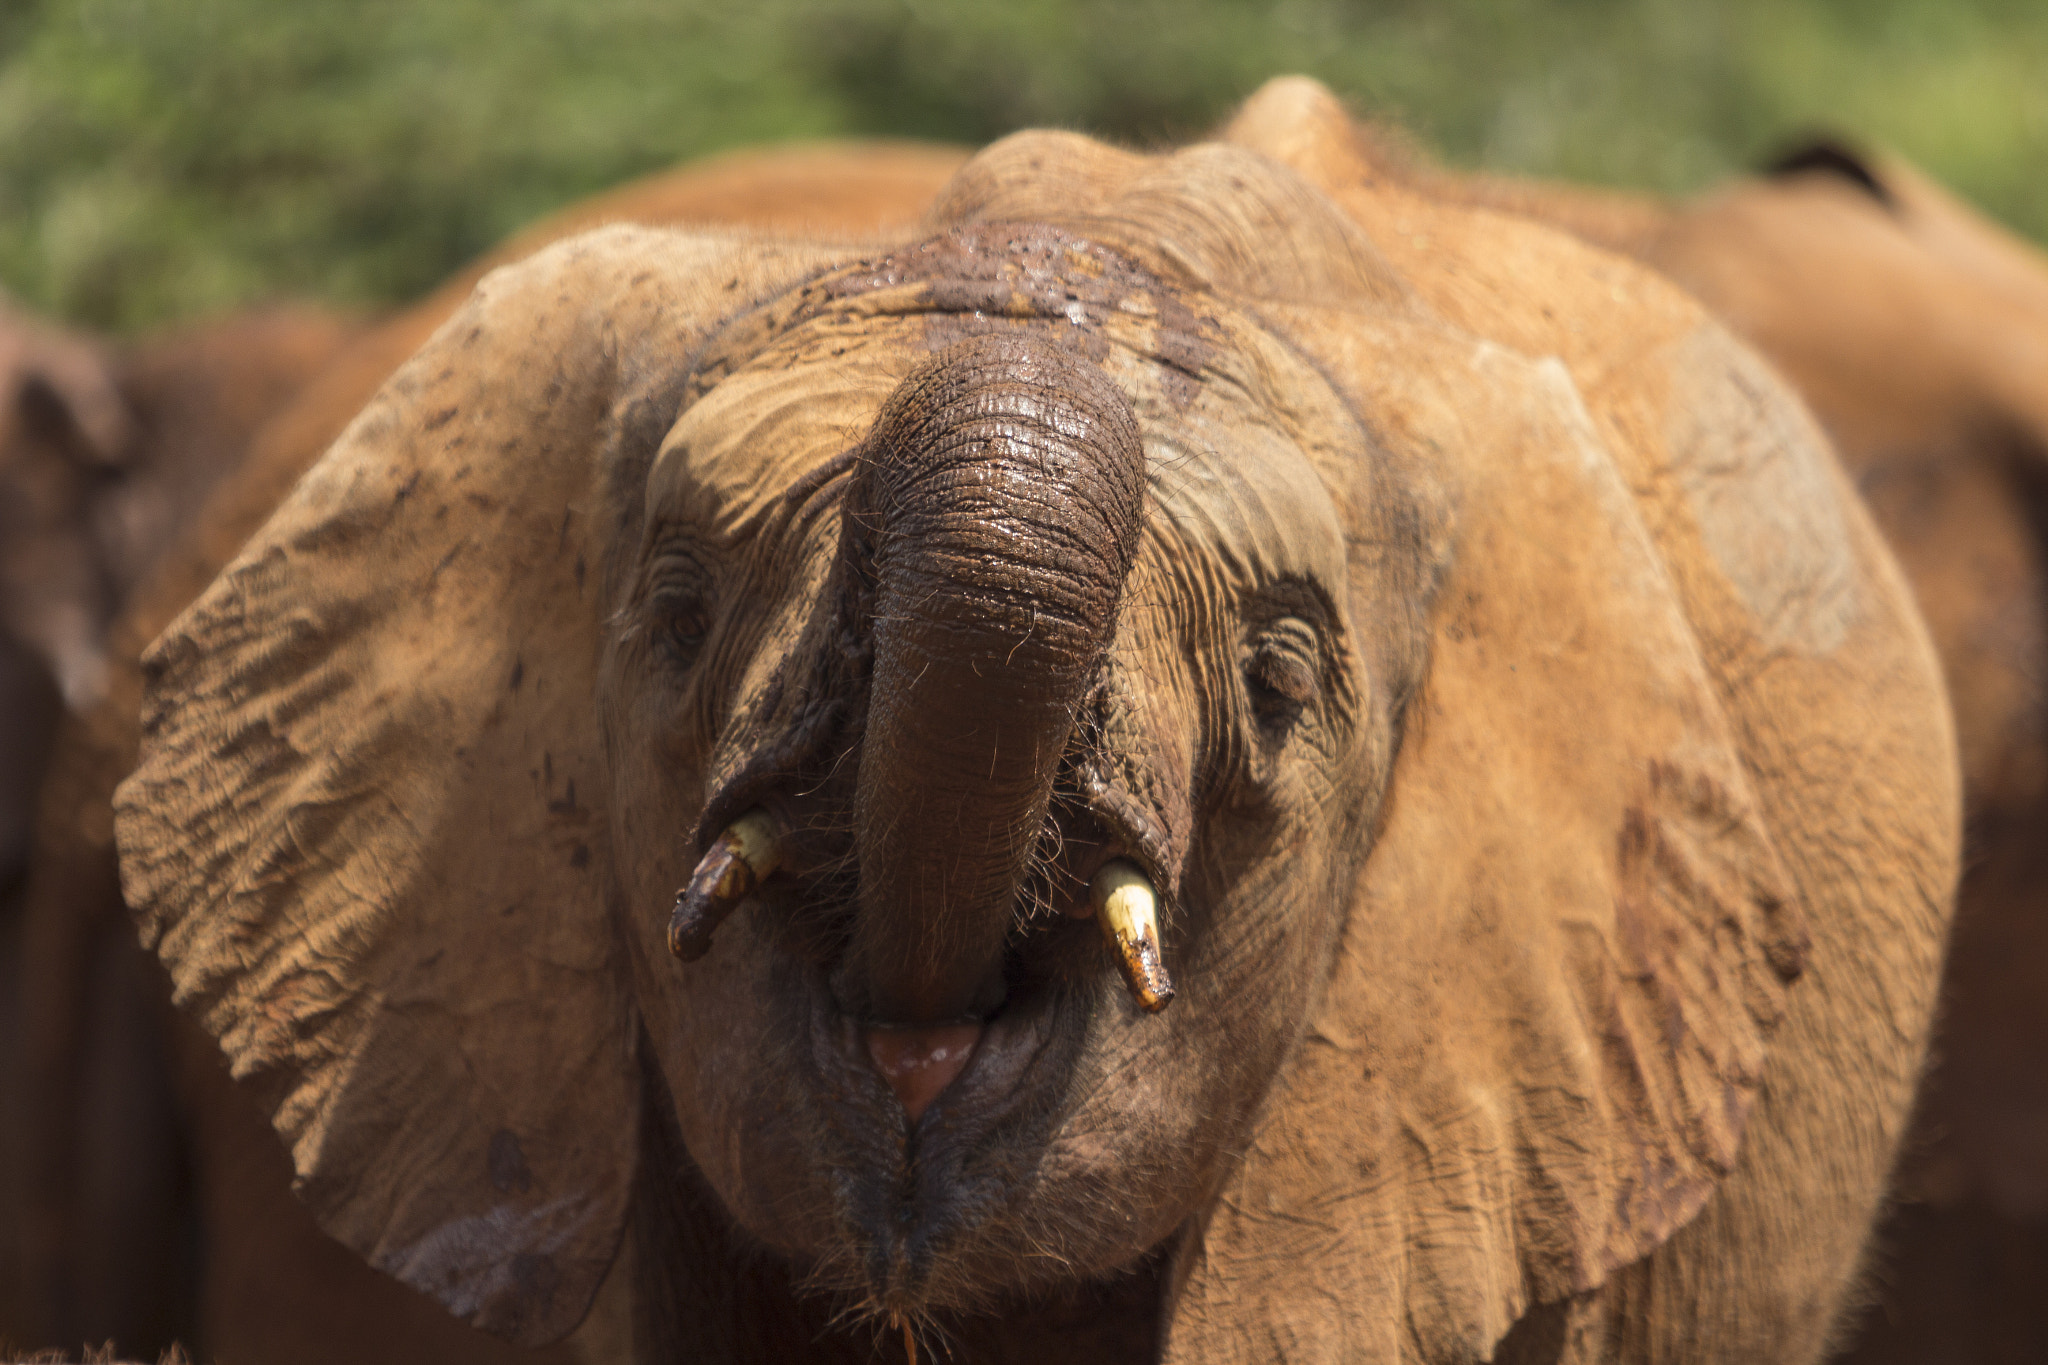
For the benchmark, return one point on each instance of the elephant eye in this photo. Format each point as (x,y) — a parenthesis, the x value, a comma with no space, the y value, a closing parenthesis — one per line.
(1281,683)
(680,621)
(679,603)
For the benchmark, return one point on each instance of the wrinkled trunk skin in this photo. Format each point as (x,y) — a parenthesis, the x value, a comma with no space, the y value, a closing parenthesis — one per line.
(995,511)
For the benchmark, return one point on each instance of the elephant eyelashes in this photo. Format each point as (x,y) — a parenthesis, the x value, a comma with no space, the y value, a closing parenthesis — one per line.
(679,601)
(1281,684)
(679,619)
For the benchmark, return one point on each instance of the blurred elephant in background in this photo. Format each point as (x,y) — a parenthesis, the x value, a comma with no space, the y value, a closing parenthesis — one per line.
(106,450)
(1918,333)
(1256,774)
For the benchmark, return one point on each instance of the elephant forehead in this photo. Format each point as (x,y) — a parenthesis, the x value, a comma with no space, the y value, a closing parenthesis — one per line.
(1240,480)
(765,428)
(799,379)
(1240,445)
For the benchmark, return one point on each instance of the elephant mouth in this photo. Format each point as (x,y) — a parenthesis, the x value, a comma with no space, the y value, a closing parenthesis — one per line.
(920,1061)
(942,1078)
(945,1084)
(915,1165)
(932,1136)
(933,1133)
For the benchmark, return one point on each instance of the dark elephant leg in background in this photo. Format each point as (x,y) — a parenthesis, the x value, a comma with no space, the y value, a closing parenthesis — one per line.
(106,1233)
(29,712)
(1962,1263)
(29,707)
(14,1310)
(93,1209)
(134,1238)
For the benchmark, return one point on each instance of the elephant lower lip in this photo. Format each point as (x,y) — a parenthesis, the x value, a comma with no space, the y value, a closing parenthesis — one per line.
(920,1159)
(943,1085)
(920,1062)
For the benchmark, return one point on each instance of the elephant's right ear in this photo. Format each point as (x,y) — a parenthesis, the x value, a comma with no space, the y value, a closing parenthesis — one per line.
(1550,1014)
(367,834)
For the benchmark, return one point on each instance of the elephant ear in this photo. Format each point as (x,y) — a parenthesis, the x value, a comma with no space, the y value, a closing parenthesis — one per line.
(367,833)
(1548,1016)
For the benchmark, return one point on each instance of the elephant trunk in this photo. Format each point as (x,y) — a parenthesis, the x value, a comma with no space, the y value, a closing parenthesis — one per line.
(995,511)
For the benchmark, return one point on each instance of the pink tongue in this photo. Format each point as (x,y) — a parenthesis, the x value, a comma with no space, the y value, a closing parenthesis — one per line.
(920,1062)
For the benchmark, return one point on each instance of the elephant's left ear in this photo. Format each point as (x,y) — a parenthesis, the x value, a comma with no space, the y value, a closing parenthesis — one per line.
(1549,1014)
(367,834)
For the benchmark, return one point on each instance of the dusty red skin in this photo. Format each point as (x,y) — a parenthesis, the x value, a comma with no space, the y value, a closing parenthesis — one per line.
(918,1063)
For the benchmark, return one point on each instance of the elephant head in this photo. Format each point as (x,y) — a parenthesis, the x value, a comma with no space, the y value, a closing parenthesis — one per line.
(66,435)
(66,431)
(105,452)
(1149,723)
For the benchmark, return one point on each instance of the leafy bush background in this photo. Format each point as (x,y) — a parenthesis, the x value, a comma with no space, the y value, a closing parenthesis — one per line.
(162,158)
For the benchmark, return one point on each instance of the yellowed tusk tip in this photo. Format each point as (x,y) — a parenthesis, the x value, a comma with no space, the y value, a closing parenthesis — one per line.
(1127,908)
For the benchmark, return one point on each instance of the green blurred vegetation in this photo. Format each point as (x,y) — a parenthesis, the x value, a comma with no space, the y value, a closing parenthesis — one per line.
(161,158)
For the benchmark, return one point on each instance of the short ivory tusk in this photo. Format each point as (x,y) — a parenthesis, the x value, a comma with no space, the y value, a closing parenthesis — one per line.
(739,860)
(1127,908)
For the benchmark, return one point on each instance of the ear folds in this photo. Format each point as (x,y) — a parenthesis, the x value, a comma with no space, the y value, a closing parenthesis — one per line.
(1548,1016)
(367,834)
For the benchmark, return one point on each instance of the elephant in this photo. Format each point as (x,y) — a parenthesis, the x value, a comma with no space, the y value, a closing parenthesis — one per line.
(1258,769)
(1916,331)
(106,450)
